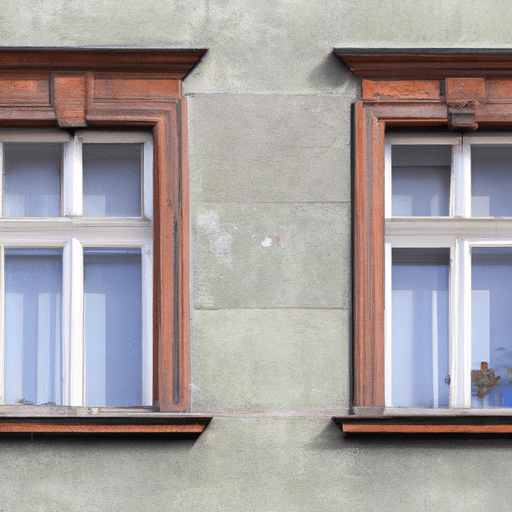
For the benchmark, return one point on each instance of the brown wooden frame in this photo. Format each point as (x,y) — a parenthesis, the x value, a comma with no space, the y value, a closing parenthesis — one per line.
(129,89)
(460,90)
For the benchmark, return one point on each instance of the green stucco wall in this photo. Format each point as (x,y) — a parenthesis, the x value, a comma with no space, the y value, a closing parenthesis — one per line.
(269,122)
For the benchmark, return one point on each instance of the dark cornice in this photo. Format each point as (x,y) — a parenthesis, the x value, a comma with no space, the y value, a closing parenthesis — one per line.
(176,61)
(432,63)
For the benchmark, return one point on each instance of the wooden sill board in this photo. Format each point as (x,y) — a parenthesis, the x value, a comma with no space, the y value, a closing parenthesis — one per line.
(457,424)
(160,424)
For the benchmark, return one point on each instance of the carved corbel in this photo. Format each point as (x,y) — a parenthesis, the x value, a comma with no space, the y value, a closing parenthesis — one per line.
(462,97)
(461,115)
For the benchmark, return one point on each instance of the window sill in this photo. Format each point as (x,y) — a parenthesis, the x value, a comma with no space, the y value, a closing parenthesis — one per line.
(426,421)
(96,420)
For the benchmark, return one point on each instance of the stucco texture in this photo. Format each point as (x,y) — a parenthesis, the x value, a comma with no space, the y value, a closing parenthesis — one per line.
(255,464)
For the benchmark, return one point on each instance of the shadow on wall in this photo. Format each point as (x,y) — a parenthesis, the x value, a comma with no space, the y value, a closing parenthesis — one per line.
(178,441)
(333,74)
(331,438)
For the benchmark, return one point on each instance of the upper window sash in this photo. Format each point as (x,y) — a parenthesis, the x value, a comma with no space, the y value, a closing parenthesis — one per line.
(466,177)
(72,180)
(104,137)
(456,183)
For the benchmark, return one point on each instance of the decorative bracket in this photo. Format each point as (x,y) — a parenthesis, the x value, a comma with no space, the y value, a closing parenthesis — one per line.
(463,95)
(461,115)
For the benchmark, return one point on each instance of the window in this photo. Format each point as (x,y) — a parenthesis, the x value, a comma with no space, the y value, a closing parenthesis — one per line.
(447,271)
(94,238)
(77,268)
(432,241)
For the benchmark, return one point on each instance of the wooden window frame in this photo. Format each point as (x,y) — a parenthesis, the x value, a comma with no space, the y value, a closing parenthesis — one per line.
(121,89)
(457,89)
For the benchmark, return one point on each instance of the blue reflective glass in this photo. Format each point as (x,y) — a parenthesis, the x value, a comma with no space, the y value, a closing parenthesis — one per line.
(420,185)
(33,318)
(420,328)
(32,175)
(491,325)
(112,180)
(113,327)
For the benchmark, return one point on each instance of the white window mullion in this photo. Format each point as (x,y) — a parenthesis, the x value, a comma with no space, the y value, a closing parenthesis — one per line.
(466,188)
(147,325)
(73,322)
(461,181)
(455,324)
(460,350)
(73,181)
(66,324)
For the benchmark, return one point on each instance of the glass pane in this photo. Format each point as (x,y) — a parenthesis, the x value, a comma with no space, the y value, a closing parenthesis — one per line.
(419,348)
(491,327)
(113,327)
(32,179)
(112,180)
(420,185)
(491,181)
(33,295)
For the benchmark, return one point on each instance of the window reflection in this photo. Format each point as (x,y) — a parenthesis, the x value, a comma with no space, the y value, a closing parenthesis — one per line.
(33,298)
(113,327)
(491,329)
(420,327)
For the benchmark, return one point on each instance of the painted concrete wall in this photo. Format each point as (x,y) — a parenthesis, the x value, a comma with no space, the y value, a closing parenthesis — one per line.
(270,163)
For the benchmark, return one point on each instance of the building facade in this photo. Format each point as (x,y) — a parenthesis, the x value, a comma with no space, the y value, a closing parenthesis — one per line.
(270,150)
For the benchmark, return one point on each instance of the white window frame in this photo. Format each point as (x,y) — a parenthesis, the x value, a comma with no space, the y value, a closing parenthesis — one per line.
(72,233)
(460,233)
